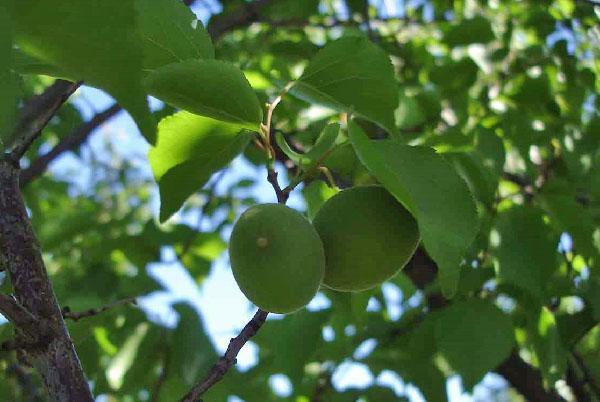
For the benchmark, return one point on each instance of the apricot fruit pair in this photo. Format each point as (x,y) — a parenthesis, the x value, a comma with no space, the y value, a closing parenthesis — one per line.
(359,238)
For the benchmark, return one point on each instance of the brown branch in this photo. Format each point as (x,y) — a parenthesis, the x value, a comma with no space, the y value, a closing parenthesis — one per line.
(68,143)
(36,114)
(282,196)
(76,316)
(576,384)
(244,15)
(17,314)
(228,359)
(588,376)
(251,328)
(55,359)
(526,379)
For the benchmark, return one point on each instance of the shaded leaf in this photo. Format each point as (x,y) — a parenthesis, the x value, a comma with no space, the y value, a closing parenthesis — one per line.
(475,337)
(291,9)
(192,353)
(315,195)
(352,75)
(547,344)
(8,100)
(432,191)
(291,342)
(466,32)
(526,254)
(316,152)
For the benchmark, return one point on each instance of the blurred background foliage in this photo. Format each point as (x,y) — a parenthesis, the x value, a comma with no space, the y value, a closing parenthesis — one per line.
(507,91)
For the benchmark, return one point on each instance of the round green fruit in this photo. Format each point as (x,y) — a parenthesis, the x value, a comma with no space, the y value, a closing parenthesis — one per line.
(368,236)
(277,257)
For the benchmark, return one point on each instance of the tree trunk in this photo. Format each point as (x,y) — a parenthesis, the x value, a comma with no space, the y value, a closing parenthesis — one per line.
(49,349)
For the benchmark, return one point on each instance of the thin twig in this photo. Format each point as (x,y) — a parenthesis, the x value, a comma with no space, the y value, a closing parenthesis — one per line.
(36,115)
(251,328)
(282,196)
(76,316)
(69,143)
(265,128)
(228,359)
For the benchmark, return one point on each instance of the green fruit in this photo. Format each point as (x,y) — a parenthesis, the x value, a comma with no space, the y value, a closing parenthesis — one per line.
(368,236)
(277,257)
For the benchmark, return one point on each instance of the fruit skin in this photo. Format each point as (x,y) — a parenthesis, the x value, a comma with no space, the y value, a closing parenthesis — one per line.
(277,257)
(368,236)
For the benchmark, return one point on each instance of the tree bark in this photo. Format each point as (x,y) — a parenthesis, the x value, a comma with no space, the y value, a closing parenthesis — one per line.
(49,349)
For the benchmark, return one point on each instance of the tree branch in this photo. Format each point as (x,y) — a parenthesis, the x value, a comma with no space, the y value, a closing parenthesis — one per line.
(36,114)
(68,143)
(251,328)
(76,316)
(55,358)
(525,378)
(17,314)
(245,15)
(228,359)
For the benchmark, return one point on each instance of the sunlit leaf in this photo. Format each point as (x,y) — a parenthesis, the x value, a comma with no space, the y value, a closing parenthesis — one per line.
(95,41)
(210,88)
(189,150)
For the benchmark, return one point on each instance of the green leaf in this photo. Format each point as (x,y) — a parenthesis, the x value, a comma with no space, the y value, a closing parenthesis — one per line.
(210,88)
(526,253)
(124,359)
(192,353)
(26,64)
(315,194)
(545,337)
(466,32)
(349,308)
(188,151)
(94,41)
(289,343)
(352,75)
(357,6)
(170,33)
(481,181)
(409,114)
(8,99)
(432,191)
(291,9)
(560,203)
(316,152)
(475,337)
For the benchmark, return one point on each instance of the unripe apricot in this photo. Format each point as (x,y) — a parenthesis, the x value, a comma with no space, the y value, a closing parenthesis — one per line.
(277,257)
(368,236)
